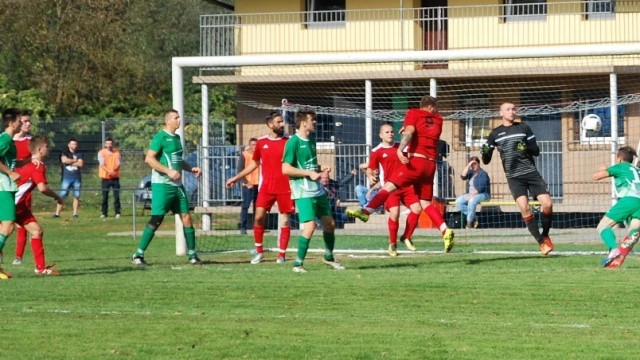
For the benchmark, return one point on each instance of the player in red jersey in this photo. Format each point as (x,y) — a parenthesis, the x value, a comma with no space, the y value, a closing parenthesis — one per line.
(384,159)
(273,186)
(421,132)
(32,176)
(21,139)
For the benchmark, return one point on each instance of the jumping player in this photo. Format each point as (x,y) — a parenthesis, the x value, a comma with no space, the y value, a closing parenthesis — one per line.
(32,176)
(627,182)
(273,186)
(384,159)
(422,129)
(517,146)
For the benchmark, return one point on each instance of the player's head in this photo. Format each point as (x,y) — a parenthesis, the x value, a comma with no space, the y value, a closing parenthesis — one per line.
(275,122)
(508,111)
(386,133)
(172,119)
(11,118)
(306,119)
(429,103)
(626,154)
(39,146)
(108,144)
(25,120)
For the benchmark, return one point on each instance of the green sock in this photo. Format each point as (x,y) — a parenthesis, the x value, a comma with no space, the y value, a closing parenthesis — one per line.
(329,244)
(609,238)
(303,246)
(3,238)
(190,236)
(145,240)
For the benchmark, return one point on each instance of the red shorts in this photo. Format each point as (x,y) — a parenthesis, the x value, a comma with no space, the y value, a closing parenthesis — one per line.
(24,215)
(266,200)
(406,196)
(418,173)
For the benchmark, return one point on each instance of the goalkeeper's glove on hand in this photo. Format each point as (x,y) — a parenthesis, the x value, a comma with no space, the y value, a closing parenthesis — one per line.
(485,149)
(521,146)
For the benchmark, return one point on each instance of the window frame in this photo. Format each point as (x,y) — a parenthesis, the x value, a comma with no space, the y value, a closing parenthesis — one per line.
(591,13)
(312,13)
(601,140)
(511,16)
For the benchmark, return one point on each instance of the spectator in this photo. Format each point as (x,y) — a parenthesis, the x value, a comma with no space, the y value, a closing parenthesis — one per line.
(71,162)
(479,190)
(249,185)
(332,187)
(109,173)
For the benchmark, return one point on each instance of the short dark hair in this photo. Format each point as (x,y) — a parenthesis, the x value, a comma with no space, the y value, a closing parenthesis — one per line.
(108,139)
(272,116)
(627,153)
(302,116)
(428,100)
(72,139)
(26,112)
(9,116)
(37,141)
(475,158)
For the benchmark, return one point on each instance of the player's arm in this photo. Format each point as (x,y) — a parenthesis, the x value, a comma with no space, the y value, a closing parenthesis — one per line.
(192,169)
(10,173)
(151,160)
(407,134)
(293,171)
(601,173)
(253,164)
(44,188)
(532,145)
(486,150)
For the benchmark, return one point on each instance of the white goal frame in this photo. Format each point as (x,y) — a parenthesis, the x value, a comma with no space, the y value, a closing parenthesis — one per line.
(179,63)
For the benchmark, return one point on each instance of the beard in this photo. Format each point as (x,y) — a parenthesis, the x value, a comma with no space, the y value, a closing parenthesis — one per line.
(279,132)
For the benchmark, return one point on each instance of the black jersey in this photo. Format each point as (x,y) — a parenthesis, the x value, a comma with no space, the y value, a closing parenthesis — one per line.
(506,138)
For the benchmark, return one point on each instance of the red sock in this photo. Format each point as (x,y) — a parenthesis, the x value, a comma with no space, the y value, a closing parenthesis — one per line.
(258,236)
(410,227)
(377,200)
(435,215)
(21,241)
(393,231)
(38,253)
(285,235)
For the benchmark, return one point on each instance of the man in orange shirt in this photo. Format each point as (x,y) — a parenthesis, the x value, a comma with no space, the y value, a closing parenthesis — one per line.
(249,185)
(109,172)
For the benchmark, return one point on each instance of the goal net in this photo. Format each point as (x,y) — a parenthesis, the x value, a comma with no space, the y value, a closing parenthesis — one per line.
(553,92)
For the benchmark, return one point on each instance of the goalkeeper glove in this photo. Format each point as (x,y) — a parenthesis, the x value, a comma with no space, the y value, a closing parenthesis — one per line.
(521,146)
(485,149)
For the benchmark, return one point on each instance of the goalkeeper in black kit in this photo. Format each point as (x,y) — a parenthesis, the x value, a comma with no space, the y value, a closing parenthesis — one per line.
(517,146)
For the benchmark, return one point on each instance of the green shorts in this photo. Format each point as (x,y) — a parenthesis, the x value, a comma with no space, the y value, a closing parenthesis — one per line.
(7,206)
(625,208)
(313,208)
(165,198)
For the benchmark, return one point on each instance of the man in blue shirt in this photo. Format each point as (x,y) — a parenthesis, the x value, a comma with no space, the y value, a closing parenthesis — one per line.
(71,161)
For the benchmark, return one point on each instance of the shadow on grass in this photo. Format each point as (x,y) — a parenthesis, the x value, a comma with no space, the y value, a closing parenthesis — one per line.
(508,258)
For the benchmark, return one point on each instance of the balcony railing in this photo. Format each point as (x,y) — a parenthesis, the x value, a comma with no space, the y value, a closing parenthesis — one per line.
(431,28)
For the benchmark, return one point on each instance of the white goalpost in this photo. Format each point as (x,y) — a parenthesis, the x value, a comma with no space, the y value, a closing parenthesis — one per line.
(532,56)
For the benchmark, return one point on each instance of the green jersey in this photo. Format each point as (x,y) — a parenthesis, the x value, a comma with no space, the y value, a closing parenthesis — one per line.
(8,157)
(301,153)
(626,178)
(168,150)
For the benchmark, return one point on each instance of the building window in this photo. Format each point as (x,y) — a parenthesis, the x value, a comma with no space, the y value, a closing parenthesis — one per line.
(588,137)
(325,12)
(525,10)
(476,127)
(599,9)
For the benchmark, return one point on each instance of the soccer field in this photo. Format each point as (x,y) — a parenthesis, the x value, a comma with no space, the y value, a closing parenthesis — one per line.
(479,302)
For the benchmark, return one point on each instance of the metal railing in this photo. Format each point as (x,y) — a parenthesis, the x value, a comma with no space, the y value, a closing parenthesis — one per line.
(429,28)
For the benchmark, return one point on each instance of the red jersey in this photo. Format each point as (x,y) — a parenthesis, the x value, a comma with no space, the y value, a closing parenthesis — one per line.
(22,147)
(385,158)
(30,176)
(428,128)
(269,153)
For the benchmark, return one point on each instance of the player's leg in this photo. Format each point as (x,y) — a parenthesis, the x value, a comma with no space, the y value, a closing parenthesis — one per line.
(244,209)
(393,225)
(264,203)
(180,205)
(538,190)
(286,207)
(161,198)
(21,243)
(624,209)
(323,211)
(307,217)
(411,200)
(117,206)
(104,209)
(37,247)
(616,258)
(7,219)
(377,201)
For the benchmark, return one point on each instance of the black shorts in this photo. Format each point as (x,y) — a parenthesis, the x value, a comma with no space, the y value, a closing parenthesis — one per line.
(531,184)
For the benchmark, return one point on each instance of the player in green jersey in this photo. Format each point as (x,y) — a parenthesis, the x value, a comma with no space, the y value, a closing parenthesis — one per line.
(300,163)
(627,181)
(168,194)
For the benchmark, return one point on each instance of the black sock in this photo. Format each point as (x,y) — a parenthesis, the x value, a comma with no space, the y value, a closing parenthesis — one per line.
(546,223)
(532,225)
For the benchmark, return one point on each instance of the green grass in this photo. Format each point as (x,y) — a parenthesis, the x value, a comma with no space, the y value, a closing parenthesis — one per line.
(455,306)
